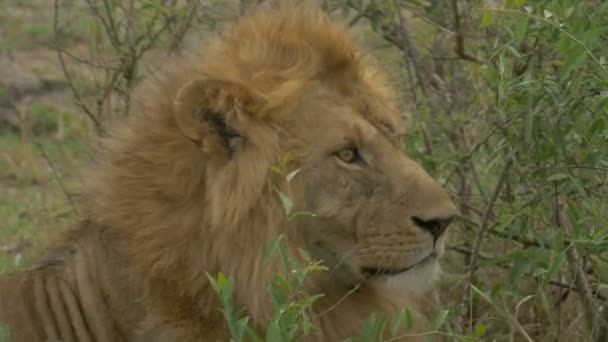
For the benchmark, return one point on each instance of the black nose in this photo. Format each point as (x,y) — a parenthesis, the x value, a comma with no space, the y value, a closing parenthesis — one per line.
(435,226)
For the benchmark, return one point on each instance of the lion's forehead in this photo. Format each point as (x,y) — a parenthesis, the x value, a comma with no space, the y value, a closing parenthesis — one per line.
(387,123)
(355,115)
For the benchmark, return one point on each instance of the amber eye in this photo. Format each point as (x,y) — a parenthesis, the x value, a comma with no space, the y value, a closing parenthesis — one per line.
(348,155)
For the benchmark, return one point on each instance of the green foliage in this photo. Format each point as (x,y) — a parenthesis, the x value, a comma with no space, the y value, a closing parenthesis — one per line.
(293,317)
(5,334)
(291,303)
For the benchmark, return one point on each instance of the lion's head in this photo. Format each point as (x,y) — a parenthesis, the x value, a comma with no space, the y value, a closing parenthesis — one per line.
(189,186)
(378,214)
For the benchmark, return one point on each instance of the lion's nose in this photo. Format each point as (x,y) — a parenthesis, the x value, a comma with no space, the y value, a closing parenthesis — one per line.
(434,226)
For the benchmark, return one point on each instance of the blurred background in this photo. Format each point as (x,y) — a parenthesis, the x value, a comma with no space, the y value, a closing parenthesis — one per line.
(507,103)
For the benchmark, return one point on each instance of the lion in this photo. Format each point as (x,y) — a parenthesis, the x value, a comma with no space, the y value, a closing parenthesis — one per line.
(185,188)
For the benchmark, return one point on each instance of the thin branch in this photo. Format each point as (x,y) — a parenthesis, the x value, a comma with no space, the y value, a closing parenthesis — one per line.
(460,36)
(339,301)
(57,176)
(483,226)
(109,24)
(77,98)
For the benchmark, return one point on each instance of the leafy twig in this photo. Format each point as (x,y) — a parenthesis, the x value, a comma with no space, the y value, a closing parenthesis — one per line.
(555,26)
(592,309)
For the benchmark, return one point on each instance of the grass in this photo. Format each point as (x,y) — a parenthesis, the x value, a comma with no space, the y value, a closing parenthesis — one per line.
(33,204)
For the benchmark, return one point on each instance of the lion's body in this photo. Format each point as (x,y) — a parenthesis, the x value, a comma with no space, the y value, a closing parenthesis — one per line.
(185,189)
(70,296)
(84,293)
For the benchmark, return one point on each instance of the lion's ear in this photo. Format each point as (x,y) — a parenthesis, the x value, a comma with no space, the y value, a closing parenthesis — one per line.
(209,111)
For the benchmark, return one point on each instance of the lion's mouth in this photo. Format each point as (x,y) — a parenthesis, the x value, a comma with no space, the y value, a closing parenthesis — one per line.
(372,272)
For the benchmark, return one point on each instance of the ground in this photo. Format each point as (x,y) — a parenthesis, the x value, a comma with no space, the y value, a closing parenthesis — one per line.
(43,136)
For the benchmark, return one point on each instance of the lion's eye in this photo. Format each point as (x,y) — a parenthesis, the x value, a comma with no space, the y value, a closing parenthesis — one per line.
(348,155)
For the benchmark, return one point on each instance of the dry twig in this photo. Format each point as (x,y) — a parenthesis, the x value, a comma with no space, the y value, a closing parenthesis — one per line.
(483,226)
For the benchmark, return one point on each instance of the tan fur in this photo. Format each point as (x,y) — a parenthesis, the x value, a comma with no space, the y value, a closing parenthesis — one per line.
(185,188)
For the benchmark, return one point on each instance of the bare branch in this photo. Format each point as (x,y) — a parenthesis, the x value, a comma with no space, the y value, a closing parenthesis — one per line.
(483,226)
(460,36)
(77,97)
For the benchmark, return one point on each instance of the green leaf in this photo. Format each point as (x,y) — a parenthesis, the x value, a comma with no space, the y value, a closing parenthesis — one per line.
(307,325)
(213,283)
(409,320)
(5,333)
(573,60)
(521,265)
(319,268)
(292,174)
(286,202)
(308,301)
(305,255)
(279,291)
(396,322)
(221,281)
(529,126)
(275,169)
(513,51)
(226,285)
(487,19)
(596,127)
(380,329)
(272,246)
(521,31)
(369,329)
(274,332)
(252,336)
(557,177)
(501,65)
(559,257)
(241,329)
(593,33)
(440,320)
(480,330)
(286,261)
(481,294)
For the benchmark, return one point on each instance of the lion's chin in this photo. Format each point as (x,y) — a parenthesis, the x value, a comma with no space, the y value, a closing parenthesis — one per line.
(418,279)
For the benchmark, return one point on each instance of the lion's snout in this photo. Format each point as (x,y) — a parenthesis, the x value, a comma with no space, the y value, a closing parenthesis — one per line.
(436,226)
